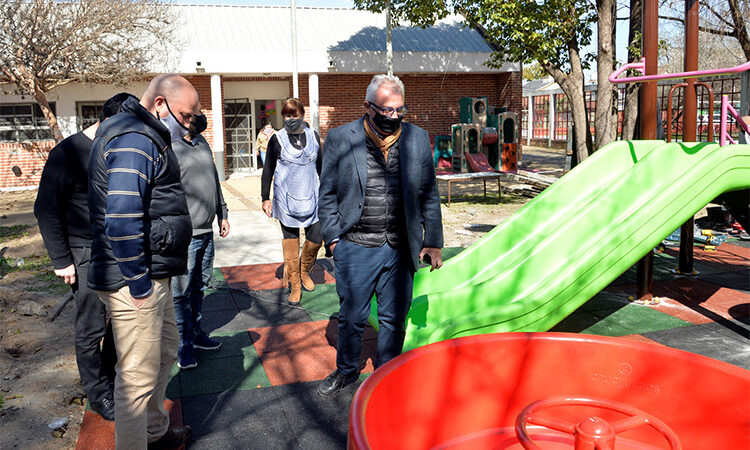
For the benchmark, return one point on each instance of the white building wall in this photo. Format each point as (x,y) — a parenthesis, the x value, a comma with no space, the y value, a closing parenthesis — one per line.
(256,90)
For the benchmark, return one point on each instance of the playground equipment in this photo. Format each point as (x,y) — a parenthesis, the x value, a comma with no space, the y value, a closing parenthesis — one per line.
(495,137)
(572,240)
(552,391)
(443,151)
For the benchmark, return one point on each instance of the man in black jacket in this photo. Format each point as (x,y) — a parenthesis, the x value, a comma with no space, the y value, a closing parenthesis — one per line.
(380,213)
(141,230)
(62,209)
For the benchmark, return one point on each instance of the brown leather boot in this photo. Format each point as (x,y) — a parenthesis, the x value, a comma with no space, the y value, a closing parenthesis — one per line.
(291,266)
(306,262)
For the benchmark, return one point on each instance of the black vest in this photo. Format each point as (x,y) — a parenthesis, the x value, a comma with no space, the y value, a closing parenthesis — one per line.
(167,223)
(382,217)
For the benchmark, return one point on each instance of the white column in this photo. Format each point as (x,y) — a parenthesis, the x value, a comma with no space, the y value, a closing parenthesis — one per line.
(295,77)
(530,118)
(551,119)
(217,110)
(314,102)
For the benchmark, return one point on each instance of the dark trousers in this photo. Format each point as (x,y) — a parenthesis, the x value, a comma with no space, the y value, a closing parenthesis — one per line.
(360,273)
(188,289)
(96,359)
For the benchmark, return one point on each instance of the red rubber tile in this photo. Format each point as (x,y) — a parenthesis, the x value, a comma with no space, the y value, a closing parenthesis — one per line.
(302,352)
(99,434)
(727,256)
(267,276)
(694,300)
(639,338)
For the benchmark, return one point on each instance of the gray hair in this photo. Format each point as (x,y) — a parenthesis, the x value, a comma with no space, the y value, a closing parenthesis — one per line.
(391,81)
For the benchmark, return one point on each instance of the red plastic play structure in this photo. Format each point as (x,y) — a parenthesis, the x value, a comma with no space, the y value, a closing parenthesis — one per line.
(551,390)
(478,162)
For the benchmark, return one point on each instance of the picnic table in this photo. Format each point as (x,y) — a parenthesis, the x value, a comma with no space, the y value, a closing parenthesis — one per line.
(484,176)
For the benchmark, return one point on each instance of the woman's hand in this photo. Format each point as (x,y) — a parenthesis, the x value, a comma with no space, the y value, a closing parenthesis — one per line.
(267,208)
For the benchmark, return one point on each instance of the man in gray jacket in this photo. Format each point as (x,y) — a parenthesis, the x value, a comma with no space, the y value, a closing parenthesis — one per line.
(205,202)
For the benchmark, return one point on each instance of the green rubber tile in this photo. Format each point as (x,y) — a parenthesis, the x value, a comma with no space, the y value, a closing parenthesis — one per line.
(217,279)
(605,301)
(235,373)
(633,319)
(578,322)
(322,301)
(173,385)
(233,343)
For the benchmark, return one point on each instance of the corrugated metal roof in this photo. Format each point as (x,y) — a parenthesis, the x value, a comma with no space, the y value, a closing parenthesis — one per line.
(257,39)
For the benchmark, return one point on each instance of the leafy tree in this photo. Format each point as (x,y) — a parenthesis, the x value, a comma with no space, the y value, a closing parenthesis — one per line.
(533,72)
(550,33)
(45,44)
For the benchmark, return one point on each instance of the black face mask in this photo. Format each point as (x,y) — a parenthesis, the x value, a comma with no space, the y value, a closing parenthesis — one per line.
(198,125)
(387,125)
(293,125)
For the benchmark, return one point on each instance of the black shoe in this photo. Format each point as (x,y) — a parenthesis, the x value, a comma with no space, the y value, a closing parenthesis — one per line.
(105,408)
(173,438)
(335,382)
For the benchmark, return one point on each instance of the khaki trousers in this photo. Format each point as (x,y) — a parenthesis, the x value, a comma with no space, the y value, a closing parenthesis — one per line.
(146,340)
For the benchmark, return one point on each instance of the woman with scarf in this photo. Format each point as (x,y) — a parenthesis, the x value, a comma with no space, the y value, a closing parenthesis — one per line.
(293,162)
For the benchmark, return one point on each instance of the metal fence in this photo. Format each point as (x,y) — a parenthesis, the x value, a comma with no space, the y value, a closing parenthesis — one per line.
(563,117)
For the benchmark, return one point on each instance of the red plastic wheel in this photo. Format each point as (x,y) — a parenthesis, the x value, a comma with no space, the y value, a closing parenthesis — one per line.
(591,432)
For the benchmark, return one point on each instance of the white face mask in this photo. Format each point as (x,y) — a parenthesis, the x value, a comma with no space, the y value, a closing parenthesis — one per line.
(176,130)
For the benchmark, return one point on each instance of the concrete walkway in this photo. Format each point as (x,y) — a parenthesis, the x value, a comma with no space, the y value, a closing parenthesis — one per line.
(253,237)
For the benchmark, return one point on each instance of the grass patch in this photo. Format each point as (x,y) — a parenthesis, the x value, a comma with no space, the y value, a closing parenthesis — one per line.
(40,267)
(13,232)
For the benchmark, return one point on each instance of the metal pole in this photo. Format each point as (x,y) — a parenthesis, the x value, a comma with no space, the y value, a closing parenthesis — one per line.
(689,119)
(388,38)
(295,78)
(648,92)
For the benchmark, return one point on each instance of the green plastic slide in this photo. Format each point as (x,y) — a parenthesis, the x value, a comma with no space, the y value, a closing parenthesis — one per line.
(574,239)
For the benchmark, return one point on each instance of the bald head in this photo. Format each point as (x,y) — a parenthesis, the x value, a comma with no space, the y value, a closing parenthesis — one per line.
(170,92)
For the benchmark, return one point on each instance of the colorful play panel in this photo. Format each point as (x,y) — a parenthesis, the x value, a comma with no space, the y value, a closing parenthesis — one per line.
(258,390)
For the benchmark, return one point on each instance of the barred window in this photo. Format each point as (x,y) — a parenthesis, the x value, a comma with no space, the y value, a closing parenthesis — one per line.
(20,122)
(87,113)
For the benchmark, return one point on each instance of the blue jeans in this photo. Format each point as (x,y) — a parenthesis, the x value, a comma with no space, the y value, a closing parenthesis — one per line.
(187,290)
(360,273)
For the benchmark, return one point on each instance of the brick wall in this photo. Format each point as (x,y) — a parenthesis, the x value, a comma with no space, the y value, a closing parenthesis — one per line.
(28,156)
(432,99)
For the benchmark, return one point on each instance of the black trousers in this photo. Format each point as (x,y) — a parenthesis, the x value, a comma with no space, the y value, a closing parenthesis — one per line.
(313,233)
(96,359)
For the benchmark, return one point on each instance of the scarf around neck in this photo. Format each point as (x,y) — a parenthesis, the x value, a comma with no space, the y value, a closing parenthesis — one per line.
(384,143)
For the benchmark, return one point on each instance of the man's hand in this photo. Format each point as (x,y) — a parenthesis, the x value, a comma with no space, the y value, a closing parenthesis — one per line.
(332,246)
(67,274)
(436,257)
(138,302)
(224,229)
(267,208)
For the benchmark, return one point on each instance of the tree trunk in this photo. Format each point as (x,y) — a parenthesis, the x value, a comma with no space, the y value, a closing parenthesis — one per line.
(605,120)
(630,113)
(41,98)
(741,32)
(572,86)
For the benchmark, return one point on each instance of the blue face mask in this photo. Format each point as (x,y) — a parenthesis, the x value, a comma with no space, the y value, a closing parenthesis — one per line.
(176,130)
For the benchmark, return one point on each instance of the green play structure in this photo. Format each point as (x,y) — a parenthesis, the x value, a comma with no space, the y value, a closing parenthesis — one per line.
(574,239)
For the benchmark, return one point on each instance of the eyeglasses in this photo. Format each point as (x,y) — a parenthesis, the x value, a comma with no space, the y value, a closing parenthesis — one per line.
(388,111)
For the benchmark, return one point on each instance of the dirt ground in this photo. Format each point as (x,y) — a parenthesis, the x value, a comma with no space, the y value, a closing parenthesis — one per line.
(38,375)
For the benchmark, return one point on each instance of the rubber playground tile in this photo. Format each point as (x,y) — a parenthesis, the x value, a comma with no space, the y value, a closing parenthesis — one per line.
(217,279)
(323,300)
(99,434)
(727,256)
(251,419)
(636,319)
(605,300)
(224,320)
(267,276)
(233,343)
(707,340)
(264,313)
(217,301)
(317,422)
(737,280)
(302,352)
(235,373)
(639,338)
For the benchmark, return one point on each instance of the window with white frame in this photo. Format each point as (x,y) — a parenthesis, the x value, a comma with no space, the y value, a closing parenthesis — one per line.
(87,113)
(22,122)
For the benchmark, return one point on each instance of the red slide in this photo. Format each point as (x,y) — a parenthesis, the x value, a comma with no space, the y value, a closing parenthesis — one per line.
(478,162)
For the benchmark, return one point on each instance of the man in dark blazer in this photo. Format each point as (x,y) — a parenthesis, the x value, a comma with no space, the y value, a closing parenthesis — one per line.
(379,210)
